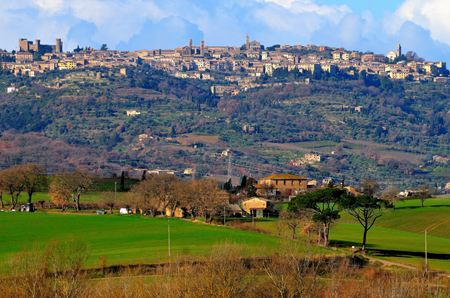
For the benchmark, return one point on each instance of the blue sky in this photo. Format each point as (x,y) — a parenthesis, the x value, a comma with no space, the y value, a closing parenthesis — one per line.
(422,26)
(377,7)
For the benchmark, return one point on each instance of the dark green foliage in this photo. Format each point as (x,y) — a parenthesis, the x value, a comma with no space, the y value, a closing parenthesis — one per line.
(366,209)
(324,204)
(122,181)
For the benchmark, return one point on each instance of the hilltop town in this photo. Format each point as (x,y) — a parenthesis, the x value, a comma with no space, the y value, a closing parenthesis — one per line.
(313,111)
(245,64)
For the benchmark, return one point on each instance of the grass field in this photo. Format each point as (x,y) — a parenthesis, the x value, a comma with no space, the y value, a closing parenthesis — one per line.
(394,245)
(123,239)
(399,235)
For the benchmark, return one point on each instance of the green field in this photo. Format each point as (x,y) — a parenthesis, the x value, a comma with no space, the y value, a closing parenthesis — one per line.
(394,245)
(127,239)
(399,235)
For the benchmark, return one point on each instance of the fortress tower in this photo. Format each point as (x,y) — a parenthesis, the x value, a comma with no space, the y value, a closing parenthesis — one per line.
(59,46)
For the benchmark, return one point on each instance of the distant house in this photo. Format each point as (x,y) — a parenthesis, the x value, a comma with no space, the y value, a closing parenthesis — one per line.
(258,207)
(440,159)
(133,113)
(162,172)
(143,136)
(312,157)
(11,89)
(447,186)
(359,109)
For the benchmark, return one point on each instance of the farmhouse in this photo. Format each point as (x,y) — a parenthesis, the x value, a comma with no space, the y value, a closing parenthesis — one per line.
(258,207)
(283,184)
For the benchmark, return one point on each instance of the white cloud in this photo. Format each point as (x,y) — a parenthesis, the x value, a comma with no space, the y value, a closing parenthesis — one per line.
(51,5)
(226,22)
(429,14)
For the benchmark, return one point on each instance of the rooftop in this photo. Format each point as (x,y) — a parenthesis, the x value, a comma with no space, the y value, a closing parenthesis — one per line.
(284,177)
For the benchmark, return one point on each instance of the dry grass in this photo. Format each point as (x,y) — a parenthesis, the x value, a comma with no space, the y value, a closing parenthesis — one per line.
(188,140)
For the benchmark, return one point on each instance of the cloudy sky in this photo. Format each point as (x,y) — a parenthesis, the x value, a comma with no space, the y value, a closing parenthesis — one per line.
(378,25)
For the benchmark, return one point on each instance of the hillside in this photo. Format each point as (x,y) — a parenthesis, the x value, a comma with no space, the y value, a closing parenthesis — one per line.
(377,128)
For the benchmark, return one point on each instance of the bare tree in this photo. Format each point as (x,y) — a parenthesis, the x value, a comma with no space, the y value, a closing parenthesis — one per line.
(108,198)
(291,220)
(369,187)
(424,193)
(182,194)
(33,178)
(391,195)
(207,196)
(74,184)
(66,261)
(11,182)
(162,188)
(143,197)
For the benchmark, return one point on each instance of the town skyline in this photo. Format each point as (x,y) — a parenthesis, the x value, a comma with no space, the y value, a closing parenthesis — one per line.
(137,25)
(252,59)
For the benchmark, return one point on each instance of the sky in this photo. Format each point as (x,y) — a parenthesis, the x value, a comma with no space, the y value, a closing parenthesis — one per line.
(421,26)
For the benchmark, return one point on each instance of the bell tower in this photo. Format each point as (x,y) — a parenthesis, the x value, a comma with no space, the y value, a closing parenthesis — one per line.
(247,42)
(399,50)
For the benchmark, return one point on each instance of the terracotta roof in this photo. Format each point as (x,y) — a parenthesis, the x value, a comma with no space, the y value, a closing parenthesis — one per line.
(284,177)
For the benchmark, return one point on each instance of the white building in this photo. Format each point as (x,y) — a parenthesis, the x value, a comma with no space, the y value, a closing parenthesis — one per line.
(11,89)
(391,55)
(133,113)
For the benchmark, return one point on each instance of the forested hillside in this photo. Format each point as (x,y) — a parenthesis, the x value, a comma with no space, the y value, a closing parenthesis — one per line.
(362,127)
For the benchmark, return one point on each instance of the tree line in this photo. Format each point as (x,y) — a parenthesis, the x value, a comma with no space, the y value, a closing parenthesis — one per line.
(154,194)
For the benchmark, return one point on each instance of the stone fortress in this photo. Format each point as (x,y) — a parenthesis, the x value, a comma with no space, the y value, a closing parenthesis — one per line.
(28,46)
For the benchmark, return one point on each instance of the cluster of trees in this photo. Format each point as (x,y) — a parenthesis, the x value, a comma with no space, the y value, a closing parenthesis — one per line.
(72,185)
(323,207)
(167,193)
(25,178)
(155,194)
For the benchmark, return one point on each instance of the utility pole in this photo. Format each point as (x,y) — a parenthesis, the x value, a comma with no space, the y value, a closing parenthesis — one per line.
(229,165)
(426,253)
(168,233)
(194,173)
(223,215)
(253,219)
(115,190)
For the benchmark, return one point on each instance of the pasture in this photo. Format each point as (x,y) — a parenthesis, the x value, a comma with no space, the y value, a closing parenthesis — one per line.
(397,236)
(123,239)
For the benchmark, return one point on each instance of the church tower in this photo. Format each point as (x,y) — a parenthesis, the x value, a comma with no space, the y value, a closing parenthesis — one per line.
(399,50)
(247,42)
(202,47)
(190,46)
